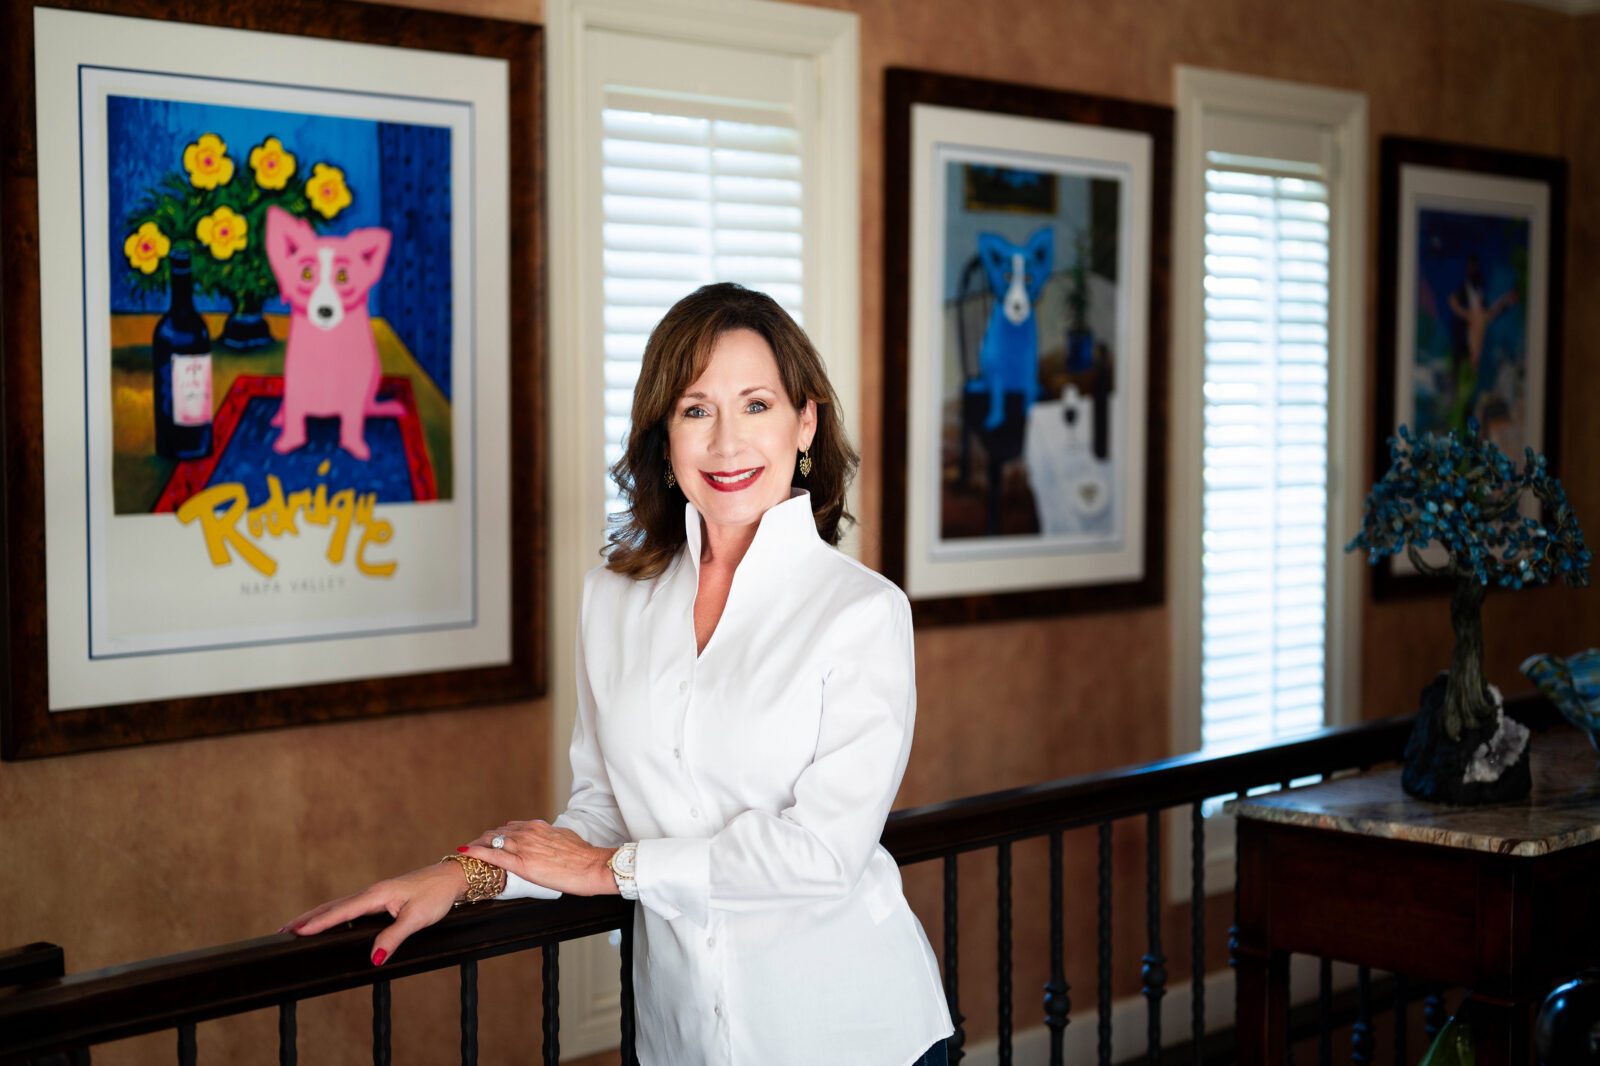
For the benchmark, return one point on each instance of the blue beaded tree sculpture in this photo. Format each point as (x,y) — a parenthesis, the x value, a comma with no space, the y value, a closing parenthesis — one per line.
(1463,493)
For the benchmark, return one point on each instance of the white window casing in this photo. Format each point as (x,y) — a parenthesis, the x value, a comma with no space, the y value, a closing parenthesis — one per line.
(1254,156)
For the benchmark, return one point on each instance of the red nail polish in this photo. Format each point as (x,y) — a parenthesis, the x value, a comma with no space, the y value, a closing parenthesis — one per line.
(378,957)
(461,849)
(281,928)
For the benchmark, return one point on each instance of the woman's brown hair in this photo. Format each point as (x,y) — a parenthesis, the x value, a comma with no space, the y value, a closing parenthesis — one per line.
(645,537)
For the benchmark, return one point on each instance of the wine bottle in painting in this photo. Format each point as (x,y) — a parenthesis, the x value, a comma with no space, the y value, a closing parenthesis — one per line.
(181,356)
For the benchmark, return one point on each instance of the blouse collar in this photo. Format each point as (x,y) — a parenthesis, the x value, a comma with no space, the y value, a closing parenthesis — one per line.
(785,528)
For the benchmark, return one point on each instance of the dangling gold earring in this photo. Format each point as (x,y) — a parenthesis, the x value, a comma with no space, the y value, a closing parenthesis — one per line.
(805,463)
(671,480)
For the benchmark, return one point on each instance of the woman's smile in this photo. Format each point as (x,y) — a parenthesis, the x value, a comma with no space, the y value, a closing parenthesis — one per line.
(732,481)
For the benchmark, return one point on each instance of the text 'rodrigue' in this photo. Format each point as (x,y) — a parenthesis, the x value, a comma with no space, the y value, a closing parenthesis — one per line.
(276,517)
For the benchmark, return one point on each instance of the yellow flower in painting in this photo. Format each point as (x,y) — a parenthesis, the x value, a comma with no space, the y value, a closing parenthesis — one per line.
(224,231)
(147,248)
(207,162)
(327,191)
(272,164)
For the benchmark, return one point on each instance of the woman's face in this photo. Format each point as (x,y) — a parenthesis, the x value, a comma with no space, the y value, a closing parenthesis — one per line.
(734,435)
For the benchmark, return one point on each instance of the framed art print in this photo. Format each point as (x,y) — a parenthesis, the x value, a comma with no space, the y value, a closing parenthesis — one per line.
(1470,246)
(269,418)
(1025,339)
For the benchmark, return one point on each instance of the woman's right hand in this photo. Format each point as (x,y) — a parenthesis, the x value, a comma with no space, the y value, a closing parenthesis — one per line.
(416,900)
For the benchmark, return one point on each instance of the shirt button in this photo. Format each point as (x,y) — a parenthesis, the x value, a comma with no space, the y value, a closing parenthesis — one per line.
(718,1010)
(694,812)
(683,686)
(711,941)
(676,754)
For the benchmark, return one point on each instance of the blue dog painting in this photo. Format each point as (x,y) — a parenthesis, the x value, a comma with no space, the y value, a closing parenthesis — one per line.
(1008,357)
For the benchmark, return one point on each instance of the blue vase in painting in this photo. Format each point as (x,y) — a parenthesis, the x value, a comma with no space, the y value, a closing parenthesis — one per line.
(246,329)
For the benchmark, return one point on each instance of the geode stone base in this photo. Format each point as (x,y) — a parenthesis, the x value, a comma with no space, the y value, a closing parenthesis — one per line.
(1436,766)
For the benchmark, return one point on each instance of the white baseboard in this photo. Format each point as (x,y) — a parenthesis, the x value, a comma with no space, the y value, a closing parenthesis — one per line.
(1130,1015)
(591,997)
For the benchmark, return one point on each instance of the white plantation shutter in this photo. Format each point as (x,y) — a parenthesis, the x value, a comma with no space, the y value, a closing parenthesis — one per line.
(691,193)
(1264,580)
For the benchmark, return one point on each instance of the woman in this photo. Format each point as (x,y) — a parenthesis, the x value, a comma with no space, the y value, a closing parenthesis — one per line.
(745,708)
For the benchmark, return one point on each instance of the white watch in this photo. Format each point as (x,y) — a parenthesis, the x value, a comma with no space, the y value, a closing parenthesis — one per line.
(622,863)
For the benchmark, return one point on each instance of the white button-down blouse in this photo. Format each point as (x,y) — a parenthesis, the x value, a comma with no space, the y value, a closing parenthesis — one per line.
(756,777)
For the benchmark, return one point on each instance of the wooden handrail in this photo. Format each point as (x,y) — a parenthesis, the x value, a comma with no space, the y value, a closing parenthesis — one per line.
(154,994)
(922,833)
(31,962)
(96,1006)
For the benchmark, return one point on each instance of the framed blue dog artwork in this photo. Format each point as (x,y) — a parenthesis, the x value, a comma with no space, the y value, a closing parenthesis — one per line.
(1470,252)
(1025,343)
(285,313)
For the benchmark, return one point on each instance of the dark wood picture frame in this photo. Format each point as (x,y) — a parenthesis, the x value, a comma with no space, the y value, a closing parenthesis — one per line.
(1396,154)
(903,90)
(28,729)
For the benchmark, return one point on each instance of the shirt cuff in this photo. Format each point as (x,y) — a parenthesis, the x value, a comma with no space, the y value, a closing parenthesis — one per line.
(674,877)
(517,888)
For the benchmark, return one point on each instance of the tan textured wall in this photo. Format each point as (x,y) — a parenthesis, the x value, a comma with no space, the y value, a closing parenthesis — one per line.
(1012,704)
(159,849)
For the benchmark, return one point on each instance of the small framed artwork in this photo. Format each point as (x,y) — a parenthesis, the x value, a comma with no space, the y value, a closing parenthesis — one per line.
(1470,248)
(1025,303)
(272,365)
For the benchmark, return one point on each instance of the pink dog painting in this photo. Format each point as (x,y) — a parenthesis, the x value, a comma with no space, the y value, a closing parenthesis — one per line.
(330,368)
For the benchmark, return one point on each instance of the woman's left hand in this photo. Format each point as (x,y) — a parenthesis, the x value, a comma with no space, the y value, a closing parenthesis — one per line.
(555,858)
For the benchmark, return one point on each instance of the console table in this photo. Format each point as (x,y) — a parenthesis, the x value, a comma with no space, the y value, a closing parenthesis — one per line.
(1503,900)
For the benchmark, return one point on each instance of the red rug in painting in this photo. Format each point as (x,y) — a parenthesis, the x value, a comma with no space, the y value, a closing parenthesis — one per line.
(398,471)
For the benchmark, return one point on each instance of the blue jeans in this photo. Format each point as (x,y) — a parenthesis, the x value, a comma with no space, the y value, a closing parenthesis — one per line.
(934,1056)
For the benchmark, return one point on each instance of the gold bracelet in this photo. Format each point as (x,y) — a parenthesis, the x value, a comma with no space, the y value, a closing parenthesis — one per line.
(485,880)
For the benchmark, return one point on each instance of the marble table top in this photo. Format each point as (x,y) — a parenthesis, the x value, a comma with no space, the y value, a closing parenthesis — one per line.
(1563,811)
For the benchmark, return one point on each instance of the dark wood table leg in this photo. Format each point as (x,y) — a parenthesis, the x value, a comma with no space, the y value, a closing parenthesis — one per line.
(1502,1033)
(1262,1007)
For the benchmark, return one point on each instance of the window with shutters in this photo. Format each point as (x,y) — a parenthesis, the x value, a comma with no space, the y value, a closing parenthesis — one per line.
(690,196)
(1265,455)
(1266,420)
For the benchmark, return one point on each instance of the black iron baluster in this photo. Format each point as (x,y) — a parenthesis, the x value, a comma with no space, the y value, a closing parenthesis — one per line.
(1288,992)
(469,1013)
(552,1006)
(1057,1005)
(1103,946)
(1288,1031)
(1434,1014)
(630,1055)
(952,986)
(1400,1018)
(1361,1039)
(1154,970)
(1324,1012)
(1197,930)
(188,1054)
(1003,892)
(380,1023)
(1233,930)
(288,1053)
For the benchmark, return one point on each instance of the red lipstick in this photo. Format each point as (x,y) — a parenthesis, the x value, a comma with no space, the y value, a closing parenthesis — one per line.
(746,477)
